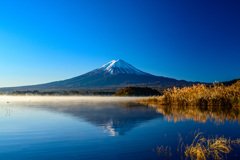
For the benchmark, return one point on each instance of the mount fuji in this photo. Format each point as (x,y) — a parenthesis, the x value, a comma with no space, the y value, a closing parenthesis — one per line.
(111,76)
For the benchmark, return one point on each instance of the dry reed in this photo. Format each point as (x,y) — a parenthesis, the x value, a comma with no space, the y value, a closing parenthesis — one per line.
(214,148)
(205,97)
(202,148)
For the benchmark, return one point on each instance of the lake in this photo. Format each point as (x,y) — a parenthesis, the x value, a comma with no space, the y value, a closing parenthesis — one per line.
(102,128)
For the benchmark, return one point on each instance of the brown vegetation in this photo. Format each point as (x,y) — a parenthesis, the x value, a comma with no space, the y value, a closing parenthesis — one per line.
(215,148)
(210,97)
(201,148)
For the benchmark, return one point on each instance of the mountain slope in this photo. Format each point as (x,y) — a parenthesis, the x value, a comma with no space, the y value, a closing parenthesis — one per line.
(111,76)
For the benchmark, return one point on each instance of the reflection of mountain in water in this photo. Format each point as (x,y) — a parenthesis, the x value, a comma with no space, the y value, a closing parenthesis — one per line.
(114,118)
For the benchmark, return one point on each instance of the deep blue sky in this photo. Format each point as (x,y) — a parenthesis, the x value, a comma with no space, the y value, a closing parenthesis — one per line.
(48,40)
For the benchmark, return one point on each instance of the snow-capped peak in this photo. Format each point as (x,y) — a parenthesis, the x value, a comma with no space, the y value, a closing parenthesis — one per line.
(119,66)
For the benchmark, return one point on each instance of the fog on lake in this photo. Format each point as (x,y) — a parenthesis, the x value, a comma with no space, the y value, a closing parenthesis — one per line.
(81,127)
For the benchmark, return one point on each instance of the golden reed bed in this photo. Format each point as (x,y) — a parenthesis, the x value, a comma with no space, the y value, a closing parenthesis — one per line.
(202,96)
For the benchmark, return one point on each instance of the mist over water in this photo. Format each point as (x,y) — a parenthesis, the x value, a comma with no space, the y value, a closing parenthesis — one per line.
(95,127)
(65,99)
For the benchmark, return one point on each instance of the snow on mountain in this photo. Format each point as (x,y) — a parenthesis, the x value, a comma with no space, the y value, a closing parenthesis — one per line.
(120,66)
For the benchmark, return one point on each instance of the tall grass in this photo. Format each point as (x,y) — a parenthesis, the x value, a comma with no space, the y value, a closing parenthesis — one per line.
(214,148)
(205,97)
(201,148)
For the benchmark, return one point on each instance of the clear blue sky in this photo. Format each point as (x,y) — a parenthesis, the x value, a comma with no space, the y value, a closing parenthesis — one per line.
(48,40)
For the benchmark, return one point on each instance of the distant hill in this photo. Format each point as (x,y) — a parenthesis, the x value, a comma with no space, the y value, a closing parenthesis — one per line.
(112,76)
(229,83)
(137,91)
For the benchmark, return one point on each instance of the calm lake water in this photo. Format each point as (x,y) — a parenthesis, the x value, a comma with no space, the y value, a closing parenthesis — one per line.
(102,129)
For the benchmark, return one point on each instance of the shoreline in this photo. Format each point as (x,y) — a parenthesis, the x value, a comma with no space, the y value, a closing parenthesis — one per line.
(37,98)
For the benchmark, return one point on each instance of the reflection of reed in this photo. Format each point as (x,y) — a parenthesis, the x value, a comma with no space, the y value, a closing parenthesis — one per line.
(7,112)
(164,152)
(173,113)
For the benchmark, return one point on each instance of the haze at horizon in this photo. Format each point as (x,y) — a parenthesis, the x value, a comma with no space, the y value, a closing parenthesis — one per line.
(44,41)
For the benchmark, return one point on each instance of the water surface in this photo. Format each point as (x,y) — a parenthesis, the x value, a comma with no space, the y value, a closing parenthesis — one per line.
(81,128)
